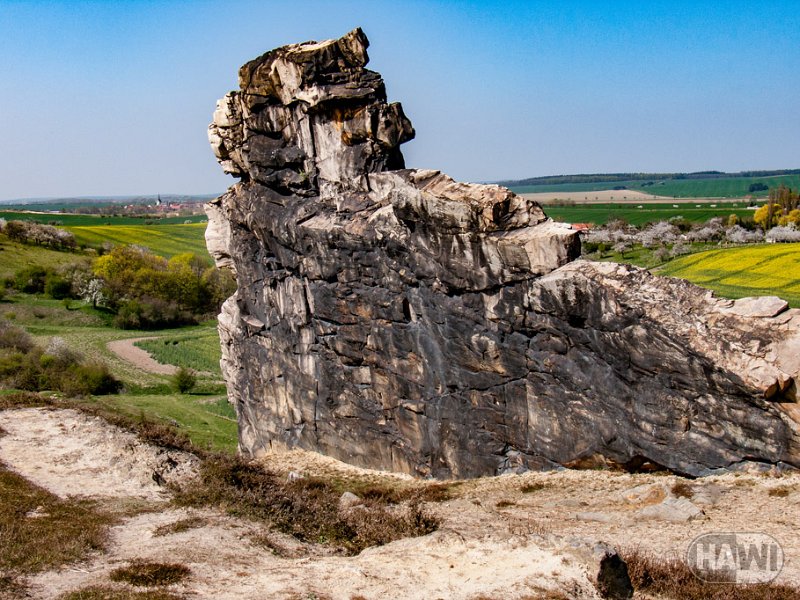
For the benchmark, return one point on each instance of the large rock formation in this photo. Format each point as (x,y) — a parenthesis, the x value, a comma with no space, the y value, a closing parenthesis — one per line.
(397,319)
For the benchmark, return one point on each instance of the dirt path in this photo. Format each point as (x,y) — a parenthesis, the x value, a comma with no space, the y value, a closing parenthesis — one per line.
(512,536)
(141,359)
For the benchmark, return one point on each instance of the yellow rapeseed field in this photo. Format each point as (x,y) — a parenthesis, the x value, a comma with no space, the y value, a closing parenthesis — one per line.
(166,240)
(762,270)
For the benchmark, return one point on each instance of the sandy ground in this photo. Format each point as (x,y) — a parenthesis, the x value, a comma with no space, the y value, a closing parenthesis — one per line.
(139,358)
(630,196)
(495,539)
(72,454)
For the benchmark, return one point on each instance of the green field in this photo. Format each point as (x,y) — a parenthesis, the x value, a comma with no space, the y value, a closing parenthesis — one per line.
(733,187)
(649,213)
(71,220)
(209,421)
(205,414)
(14,256)
(166,240)
(763,270)
(198,350)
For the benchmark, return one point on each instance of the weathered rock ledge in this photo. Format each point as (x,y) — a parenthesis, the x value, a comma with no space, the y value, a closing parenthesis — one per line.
(394,318)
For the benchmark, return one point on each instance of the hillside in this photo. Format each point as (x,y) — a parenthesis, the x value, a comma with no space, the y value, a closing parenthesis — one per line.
(673,185)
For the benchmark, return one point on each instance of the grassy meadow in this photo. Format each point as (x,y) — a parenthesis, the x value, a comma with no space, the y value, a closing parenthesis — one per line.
(204,414)
(730,187)
(762,270)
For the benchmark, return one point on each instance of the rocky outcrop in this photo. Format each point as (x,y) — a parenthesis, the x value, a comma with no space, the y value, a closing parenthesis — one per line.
(397,319)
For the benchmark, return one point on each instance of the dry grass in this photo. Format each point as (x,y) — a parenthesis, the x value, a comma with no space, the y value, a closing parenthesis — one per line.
(780,492)
(532,487)
(147,574)
(39,530)
(110,593)
(23,400)
(682,489)
(307,508)
(268,541)
(10,587)
(539,594)
(673,579)
(180,526)
(392,491)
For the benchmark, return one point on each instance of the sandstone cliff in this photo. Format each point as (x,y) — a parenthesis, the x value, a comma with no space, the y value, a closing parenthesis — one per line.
(397,319)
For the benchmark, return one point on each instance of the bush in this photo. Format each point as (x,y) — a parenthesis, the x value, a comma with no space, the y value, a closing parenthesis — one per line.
(89,378)
(14,337)
(184,380)
(27,367)
(31,280)
(152,313)
(148,291)
(57,287)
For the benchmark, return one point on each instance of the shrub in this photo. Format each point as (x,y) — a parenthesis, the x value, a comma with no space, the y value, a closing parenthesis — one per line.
(31,279)
(57,287)
(144,573)
(14,337)
(151,313)
(89,378)
(184,380)
(27,367)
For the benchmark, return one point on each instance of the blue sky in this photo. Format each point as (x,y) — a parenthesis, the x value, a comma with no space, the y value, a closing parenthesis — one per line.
(113,98)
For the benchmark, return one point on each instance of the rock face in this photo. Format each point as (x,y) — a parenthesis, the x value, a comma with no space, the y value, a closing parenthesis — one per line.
(397,319)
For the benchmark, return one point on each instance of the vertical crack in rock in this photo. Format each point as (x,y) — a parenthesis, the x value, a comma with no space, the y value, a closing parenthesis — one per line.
(397,319)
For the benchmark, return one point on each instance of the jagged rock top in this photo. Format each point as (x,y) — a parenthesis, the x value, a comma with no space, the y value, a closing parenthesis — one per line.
(314,72)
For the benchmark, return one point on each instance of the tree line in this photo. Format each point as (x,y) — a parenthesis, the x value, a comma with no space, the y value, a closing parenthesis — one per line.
(781,210)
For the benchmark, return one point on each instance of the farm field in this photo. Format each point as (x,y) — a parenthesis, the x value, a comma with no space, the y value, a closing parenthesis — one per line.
(763,270)
(166,240)
(72,220)
(602,213)
(196,349)
(731,187)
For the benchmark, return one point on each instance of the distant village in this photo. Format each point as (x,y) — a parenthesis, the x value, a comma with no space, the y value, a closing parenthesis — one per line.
(146,208)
